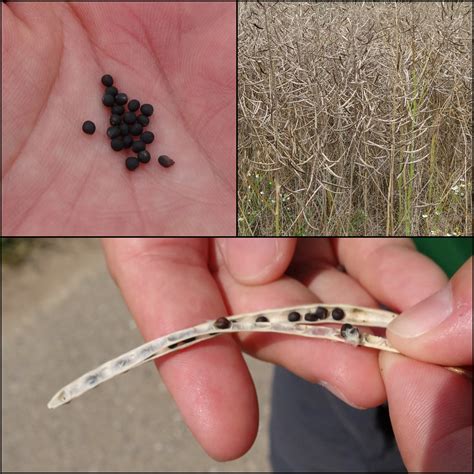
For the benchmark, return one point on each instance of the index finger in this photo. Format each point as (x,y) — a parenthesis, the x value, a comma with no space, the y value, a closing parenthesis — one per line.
(167,286)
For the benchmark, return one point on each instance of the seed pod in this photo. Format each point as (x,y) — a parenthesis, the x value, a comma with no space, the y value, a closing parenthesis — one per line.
(144,156)
(132,163)
(121,98)
(108,100)
(129,117)
(165,161)
(136,129)
(143,120)
(147,137)
(115,120)
(146,109)
(117,144)
(138,146)
(88,127)
(113,132)
(107,80)
(133,105)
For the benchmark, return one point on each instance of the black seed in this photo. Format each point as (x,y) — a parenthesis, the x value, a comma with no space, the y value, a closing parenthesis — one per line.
(133,105)
(261,319)
(147,137)
(321,313)
(147,109)
(165,161)
(113,132)
(349,330)
(88,127)
(132,163)
(144,156)
(121,98)
(136,129)
(117,144)
(213,333)
(108,100)
(118,109)
(337,314)
(143,119)
(172,346)
(107,80)
(127,141)
(222,323)
(310,317)
(115,119)
(112,90)
(294,316)
(187,341)
(124,129)
(138,146)
(129,118)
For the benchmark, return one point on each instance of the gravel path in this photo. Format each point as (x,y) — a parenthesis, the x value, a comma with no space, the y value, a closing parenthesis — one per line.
(63,315)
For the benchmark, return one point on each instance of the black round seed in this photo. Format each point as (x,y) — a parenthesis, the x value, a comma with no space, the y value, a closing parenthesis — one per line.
(321,313)
(121,98)
(127,141)
(138,146)
(143,120)
(147,137)
(144,156)
(107,80)
(132,163)
(294,316)
(136,129)
(347,330)
(108,100)
(117,144)
(310,317)
(261,319)
(165,161)
(124,129)
(147,109)
(118,110)
(133,105)
(112,90)
(129,118)
(222,323)
(337,314)
(113,132)
(115,119)
(88,127)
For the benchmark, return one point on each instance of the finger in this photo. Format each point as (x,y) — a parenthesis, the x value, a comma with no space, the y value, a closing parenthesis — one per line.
(351,373)
(256,261)
(439,328)
(391,270)
(167,286)
(431,414)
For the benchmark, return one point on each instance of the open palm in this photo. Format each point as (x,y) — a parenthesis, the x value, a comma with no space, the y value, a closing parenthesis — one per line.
(178,57)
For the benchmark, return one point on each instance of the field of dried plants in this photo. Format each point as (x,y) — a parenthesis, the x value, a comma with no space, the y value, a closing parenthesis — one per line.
(355,118)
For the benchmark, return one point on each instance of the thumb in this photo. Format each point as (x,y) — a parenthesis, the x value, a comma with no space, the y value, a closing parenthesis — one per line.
(439,328)
(256,261)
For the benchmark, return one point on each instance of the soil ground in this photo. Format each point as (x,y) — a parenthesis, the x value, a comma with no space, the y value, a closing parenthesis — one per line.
(63,315)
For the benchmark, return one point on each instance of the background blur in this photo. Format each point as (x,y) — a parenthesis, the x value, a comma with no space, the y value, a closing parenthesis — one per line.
(62,316)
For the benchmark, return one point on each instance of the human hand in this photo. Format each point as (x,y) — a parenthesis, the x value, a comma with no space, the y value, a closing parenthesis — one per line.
(170,284)
(180,57)
(430,407)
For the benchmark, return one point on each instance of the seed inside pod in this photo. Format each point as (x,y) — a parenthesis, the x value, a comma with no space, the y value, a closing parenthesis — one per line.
(350,333)
(165,161)
(261,319)
(222,323)
(321,313)
(337,314)
(294,316)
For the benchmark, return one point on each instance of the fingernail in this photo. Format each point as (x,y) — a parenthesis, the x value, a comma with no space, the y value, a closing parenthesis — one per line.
(338,394)
(248,259)
(424,316)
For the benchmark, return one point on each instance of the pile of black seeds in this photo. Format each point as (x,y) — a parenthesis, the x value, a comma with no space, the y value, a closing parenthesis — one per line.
(127,126)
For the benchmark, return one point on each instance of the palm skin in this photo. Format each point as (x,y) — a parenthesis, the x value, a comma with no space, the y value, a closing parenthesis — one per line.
(179,57)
